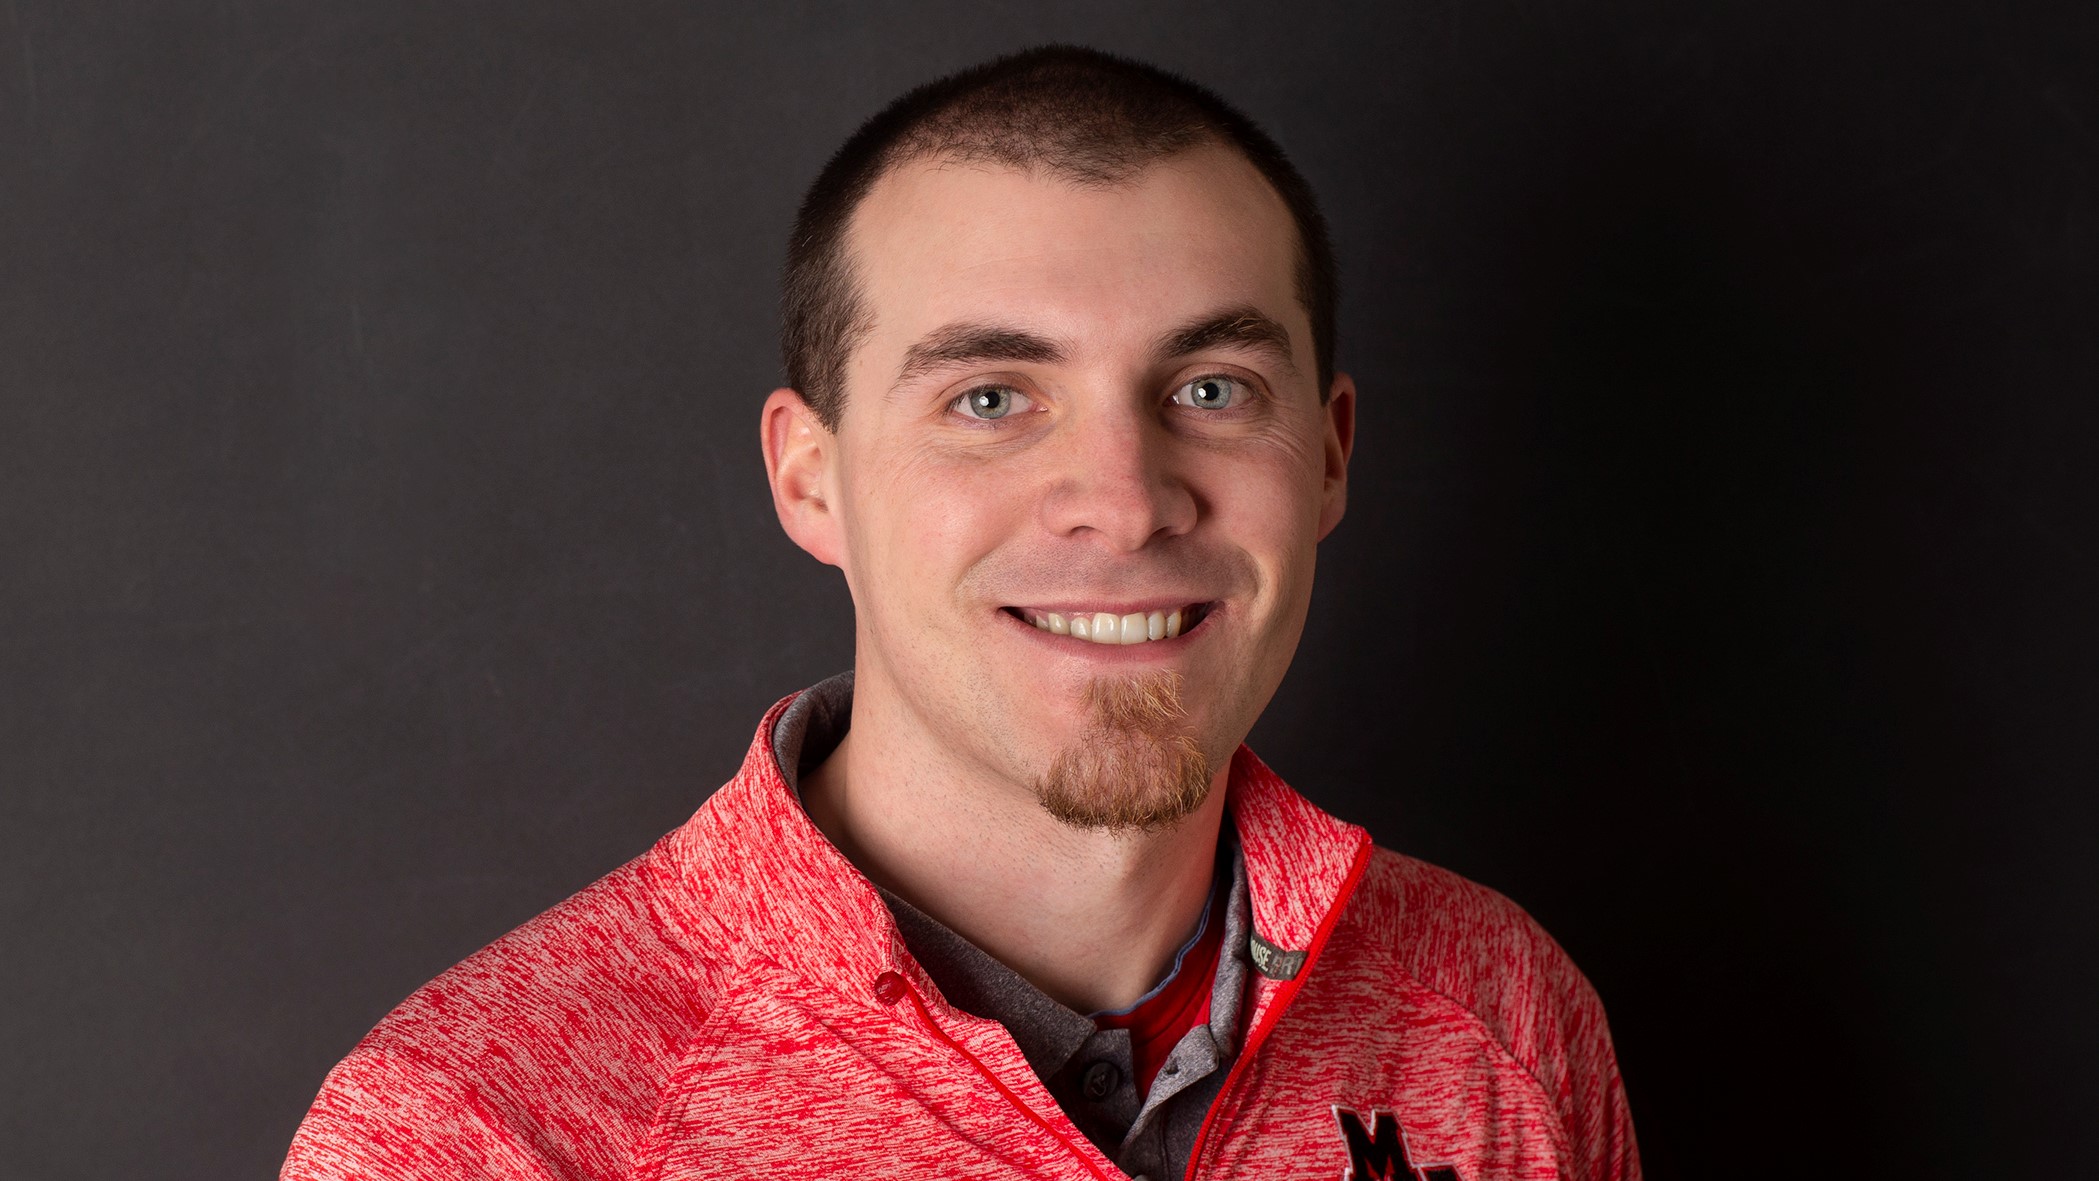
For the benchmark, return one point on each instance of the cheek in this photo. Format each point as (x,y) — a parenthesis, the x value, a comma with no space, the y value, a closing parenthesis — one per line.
(917,523)
(1270,508)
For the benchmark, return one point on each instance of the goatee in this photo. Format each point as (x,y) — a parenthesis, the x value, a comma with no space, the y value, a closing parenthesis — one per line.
(1135,767)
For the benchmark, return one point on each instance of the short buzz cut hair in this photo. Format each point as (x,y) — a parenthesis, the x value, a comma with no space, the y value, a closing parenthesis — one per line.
(1084,116)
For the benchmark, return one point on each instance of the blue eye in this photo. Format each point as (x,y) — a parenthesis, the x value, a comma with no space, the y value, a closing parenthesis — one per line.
(1215,392)
(991,401)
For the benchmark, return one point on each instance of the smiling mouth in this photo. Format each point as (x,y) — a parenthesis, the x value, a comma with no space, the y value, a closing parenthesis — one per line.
(1106,627)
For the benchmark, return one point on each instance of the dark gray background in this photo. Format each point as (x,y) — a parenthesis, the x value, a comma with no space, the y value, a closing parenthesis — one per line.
(384,552)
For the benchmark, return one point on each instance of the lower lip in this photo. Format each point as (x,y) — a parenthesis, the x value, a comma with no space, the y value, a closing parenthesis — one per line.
(1150,651)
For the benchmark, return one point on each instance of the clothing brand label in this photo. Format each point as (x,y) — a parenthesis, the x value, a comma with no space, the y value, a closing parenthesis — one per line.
(1274,962)
(1377,1150)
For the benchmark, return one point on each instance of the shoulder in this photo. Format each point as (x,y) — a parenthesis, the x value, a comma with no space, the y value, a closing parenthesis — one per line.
(1486,956)
(589,970)
(1480,950)
(548,1045)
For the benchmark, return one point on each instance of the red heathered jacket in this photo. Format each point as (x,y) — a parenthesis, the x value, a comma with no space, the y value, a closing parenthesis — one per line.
(736,1002)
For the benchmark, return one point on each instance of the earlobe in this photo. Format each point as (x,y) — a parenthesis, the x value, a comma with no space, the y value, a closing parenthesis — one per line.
(799,454)
(1340,443)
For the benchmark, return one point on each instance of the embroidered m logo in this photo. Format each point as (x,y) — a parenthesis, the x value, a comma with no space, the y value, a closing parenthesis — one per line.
(1377,1151)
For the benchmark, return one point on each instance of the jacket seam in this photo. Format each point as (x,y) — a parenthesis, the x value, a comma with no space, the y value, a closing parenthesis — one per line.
(684,1065)
(1563,1143)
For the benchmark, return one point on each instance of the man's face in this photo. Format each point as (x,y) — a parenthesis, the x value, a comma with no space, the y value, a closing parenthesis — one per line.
(1079,404)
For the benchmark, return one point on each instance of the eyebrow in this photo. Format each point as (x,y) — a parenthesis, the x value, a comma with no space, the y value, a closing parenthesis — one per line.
(1243,327)
(973,344)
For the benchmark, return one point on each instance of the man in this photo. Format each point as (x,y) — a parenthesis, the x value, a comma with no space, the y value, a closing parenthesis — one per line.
(1011,899)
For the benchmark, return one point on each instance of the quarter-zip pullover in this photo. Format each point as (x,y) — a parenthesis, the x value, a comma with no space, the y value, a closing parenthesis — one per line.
(739,1002)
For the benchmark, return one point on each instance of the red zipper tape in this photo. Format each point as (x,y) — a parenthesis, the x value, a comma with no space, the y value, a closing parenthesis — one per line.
(1282,1002)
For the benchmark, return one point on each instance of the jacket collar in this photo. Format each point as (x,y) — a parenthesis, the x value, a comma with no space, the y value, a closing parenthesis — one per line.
(750,877)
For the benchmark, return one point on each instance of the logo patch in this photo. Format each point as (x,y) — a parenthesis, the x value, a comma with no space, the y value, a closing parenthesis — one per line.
(1377,1150)
(1276,963)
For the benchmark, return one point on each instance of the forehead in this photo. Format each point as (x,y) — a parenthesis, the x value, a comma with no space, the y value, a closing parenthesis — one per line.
(939,241)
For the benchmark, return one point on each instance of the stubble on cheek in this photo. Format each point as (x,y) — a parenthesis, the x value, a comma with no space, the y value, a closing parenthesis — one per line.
(1133,767)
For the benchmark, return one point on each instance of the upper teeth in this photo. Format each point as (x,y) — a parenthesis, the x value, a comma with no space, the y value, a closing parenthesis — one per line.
(1103,627)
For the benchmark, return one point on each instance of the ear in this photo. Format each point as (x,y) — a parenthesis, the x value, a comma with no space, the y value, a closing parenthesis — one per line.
(801,457)
(1340,441)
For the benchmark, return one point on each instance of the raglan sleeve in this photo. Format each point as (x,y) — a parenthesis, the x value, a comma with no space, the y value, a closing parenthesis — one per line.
(1590,1093)
(385,1115)
(1480,950)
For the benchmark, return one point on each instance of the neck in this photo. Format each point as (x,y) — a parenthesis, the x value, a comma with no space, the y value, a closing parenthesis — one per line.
(1092,918)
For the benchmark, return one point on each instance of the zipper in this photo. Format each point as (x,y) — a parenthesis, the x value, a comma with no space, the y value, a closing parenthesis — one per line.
(999,1085)
(1259,1033)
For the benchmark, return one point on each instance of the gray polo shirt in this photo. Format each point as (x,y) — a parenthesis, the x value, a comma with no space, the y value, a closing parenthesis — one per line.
(1087,1069)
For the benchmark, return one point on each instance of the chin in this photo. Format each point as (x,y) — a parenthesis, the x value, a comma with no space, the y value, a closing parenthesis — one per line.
(1133,763)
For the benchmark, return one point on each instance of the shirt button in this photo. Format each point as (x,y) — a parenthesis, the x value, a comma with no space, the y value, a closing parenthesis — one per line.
(889,988)
(1099,1081)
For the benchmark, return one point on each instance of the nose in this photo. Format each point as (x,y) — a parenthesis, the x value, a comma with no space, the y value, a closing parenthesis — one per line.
(1118,476)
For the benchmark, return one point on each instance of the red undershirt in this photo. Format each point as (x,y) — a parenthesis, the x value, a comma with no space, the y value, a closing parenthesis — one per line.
(1157,1025)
